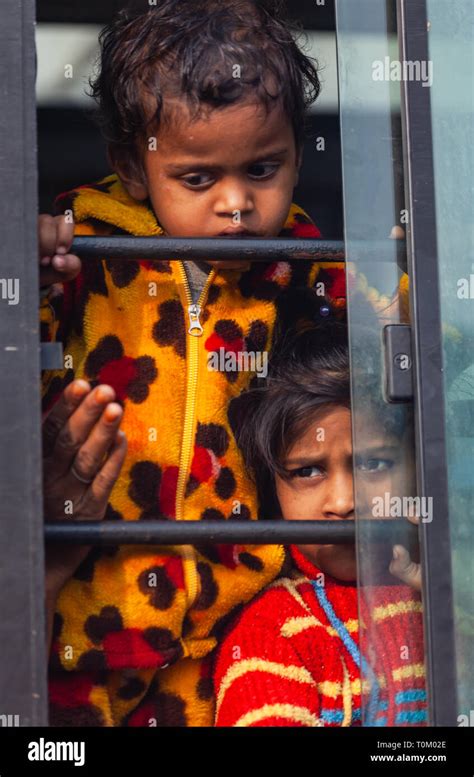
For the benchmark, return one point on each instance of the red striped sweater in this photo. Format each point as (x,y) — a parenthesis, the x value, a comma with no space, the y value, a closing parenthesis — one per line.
(292,656)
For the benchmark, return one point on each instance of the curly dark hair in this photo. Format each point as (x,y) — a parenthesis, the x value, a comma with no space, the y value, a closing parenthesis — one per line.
(190,51)
(309,373)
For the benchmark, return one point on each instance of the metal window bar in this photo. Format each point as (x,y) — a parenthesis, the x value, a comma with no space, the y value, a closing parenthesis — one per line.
(166,532)
(129,248)
(121,248)
(125,248)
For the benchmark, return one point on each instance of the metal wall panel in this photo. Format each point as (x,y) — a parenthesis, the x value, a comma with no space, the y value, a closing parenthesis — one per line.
(435,541)
(22,616)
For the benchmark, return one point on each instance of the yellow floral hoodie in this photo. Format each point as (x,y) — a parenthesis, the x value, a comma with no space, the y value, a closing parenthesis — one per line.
(135,626)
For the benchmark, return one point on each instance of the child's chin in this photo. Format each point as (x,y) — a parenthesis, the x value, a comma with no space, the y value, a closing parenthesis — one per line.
(339,561)
(242,266)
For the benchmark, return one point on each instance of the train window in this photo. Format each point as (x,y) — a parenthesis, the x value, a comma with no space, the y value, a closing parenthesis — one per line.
(391,187)
(387,175)
(376,221)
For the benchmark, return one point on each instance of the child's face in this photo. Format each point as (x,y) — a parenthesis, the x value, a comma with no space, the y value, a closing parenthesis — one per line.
(321,485)
(234,170)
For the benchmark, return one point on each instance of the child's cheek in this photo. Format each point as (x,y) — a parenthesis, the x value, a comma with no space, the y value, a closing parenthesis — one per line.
(297,500)
(312,553)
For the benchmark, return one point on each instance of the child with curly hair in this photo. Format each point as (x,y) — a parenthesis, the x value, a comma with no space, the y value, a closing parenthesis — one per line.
(202,105)
(293,656)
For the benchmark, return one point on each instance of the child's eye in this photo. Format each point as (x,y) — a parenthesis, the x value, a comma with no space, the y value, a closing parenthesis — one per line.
(263,170)
(306,472)
(375,465)
(197,180)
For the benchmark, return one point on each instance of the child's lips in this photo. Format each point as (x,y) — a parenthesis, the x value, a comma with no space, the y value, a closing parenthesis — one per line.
(241,235)
(235,234)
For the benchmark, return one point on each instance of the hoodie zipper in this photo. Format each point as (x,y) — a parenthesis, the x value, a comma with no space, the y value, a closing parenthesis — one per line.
(194,331)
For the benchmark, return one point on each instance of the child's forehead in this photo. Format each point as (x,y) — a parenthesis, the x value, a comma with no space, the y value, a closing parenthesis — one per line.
(325,424)
(246,124)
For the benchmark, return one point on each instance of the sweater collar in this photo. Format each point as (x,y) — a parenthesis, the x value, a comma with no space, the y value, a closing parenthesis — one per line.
(312,572)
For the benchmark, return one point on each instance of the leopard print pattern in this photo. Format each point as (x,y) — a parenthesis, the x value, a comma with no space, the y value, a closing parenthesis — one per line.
(131,645)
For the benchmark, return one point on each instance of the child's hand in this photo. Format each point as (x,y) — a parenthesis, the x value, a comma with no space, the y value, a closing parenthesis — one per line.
(403,567)
(83,453)
(55,236)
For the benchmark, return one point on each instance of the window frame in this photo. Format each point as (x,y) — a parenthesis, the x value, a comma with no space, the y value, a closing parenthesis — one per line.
(430,434)
(23,676)
(23,684)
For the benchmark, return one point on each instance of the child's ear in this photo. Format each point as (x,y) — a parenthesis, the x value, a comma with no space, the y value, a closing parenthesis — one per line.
(131,178)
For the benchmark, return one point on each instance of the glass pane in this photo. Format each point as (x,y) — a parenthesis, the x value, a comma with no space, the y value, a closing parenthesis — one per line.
(391,632)
(451,45)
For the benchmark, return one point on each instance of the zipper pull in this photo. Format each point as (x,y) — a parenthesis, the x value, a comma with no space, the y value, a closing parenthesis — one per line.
(195,327)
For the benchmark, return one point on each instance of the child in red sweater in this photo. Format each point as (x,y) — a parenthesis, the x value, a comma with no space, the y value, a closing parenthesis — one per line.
(292,657)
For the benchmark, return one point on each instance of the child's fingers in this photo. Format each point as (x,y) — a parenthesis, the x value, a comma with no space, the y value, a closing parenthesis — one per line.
(412,517)
(55,236)
(404,568)
(47,235)
(68,402)
(62,561)
(64,236)
(89,458)
(78,426)
(59,269)
(397,233)
(106,478)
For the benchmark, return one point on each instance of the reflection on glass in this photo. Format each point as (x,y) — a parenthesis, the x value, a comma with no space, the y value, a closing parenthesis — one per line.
(451,47)
(390,610)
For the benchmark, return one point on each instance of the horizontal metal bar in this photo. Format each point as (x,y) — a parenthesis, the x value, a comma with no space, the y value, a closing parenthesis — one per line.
(52,357)
(252,249)
(199,248)
(252,532)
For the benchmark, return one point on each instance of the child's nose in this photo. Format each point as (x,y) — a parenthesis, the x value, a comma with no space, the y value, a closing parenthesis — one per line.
(339,502)
(234,197)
